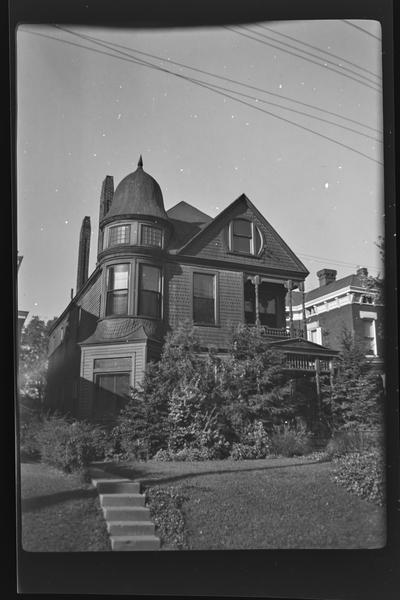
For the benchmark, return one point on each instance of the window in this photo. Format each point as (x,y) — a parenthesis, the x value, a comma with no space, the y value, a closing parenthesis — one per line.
(315,335)
(366,299)
(245,237)
(151,236)
(204,298)
(112,393)
(369,335)
(117,290)
(119,235)
(149,291)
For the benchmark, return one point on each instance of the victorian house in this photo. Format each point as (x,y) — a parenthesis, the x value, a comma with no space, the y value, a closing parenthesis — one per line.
(157,268)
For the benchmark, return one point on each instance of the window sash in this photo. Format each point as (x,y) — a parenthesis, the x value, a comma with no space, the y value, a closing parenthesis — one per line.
(112,393)
(204,298)
(117,302)
(150,236)
(149,300)
(119,234)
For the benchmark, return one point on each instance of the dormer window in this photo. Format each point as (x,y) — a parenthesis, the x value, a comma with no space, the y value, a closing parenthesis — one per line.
(245,237)
(120,234)
(150,236)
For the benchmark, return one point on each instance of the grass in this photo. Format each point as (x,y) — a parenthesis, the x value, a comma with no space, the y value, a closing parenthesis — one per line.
(271,503)
(60,513)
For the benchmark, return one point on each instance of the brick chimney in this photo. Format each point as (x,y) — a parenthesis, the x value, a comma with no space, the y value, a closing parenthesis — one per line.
(83,255)
(326,276)
(106,196)
(362,272)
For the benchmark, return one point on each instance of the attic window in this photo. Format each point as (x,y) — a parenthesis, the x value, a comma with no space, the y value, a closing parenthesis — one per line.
(245,237)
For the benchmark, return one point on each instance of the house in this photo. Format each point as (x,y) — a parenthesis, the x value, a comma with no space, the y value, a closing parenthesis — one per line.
(157,268)
(349,303)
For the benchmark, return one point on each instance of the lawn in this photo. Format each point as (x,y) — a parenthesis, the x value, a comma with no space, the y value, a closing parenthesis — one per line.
(271,503)
(60,513)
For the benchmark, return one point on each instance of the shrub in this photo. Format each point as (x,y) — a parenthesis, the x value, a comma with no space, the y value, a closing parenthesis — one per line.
(345,442)
(290,440)
(186,453)
(70,445)
(254,443)
(362,474)
(29,425)
(165,508)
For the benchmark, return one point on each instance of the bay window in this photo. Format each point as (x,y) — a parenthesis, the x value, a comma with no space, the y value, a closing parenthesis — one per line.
(149,301)
(117,289)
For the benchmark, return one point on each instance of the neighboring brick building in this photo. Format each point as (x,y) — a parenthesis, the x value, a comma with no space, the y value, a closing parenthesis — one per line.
(155,269)
(338,304)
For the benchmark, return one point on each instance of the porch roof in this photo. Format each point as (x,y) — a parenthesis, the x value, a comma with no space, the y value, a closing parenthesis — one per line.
(304,347)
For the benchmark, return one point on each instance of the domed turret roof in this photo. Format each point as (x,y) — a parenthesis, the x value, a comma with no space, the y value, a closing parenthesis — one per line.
(138,194)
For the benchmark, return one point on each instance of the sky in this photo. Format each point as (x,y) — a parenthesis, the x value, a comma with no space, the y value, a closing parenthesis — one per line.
(82,115)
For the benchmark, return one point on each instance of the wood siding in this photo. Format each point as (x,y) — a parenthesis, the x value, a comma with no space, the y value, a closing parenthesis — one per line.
(86,393)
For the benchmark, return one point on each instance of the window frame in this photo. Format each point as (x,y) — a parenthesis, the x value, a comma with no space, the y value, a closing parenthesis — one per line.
(138,312)
(108,291)
(255,230)
(118,226)
(215,275)
(151,226)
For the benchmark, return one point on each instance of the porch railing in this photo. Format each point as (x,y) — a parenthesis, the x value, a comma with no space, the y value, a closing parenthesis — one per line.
(304,363)
(280,332)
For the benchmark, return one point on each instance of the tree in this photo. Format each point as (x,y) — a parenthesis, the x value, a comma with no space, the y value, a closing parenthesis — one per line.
(355,401)
(33,360)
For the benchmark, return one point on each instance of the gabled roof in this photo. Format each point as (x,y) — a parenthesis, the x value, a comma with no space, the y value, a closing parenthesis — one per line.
(303,346)
(187,222)
(224,215)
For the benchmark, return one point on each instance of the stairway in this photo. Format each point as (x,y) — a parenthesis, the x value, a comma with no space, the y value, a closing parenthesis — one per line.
(128,519)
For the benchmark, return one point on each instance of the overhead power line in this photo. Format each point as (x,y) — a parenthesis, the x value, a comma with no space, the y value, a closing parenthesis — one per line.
(213,85)
(290,37)
(361,29)
(326,61)
(209,86)
(262,41)
(220,77)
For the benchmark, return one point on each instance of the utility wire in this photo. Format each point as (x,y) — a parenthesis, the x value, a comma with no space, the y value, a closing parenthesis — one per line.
(325,60)
(361,29)
(289,37)
(376,89)
(343,263)
(184,77)
(213,85)
(221,77)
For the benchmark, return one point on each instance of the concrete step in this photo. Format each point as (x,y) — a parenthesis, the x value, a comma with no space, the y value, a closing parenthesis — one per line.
(126,513)
(128,528)
(137,542)
(126,499)
(116,486)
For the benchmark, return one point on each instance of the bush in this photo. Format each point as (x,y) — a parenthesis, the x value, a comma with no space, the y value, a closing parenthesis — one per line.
(254,443)
(70,445)
(186,453)
(30,423)
(362,474)
(165,508)
(290,440)
(346,442)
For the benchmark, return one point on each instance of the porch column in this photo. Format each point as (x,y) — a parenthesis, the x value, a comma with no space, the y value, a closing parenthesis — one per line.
(289,287)
(317,377)
(303,306)
(256,284)
(331,372)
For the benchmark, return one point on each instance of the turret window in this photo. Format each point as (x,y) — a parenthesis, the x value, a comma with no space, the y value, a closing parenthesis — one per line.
(117,290)
(151,236)
(149,291)
(119,234)
(245,237)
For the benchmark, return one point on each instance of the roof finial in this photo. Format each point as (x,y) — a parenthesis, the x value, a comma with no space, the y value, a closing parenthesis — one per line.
(140,163)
